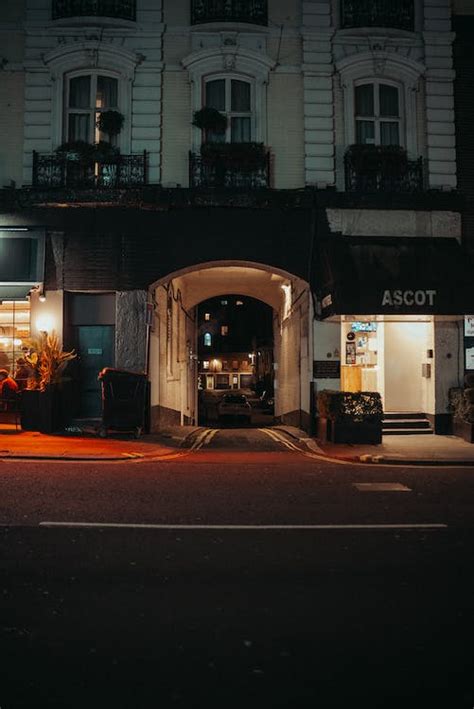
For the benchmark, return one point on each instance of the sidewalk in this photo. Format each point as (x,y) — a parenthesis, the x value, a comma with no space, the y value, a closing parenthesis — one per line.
(85,444)
(409,450)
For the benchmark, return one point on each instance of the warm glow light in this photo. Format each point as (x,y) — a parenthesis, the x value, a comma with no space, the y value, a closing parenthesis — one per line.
(45,323)
(17,342)
(286,287)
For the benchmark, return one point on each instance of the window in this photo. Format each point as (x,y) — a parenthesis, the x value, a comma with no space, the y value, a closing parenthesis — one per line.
(234,98)
(207,316)
(223,302)
(377,114)
(87,96)
(239,302)
(205,364)
(207,339)
(224,330)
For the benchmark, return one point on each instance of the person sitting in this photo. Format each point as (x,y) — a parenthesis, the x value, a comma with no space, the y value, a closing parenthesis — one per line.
(22,373)
(8,390)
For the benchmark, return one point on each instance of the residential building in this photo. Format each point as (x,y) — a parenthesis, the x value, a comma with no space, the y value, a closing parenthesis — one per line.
(328,191)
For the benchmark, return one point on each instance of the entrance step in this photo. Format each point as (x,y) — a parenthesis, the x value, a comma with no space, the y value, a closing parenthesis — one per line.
(403,423)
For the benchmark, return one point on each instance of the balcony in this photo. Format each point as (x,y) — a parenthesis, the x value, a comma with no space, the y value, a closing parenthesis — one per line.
(117,9)
(372,169)
(250,11)
(378,13)
(58,170)
(237,165)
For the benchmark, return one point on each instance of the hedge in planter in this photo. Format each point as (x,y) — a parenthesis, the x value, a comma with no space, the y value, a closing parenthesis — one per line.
(461,403)
(350,417)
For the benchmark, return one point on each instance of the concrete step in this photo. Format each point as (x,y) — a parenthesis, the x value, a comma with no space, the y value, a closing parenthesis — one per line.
(405,423)
(407,431)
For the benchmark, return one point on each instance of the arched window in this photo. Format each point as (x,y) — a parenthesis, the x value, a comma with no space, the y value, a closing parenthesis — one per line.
(87,95)
(233,97)
(377,114)
(207,339)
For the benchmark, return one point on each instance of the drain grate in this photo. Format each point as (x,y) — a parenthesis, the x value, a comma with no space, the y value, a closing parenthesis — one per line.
(381,487)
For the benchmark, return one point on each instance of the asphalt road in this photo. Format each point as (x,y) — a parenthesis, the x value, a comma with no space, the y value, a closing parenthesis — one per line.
(226,601)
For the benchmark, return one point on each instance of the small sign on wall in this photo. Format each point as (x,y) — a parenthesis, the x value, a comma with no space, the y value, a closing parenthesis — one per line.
(469,357)
(94,351)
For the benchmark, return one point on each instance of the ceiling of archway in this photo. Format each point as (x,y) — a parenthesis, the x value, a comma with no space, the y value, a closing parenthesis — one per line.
(221,280)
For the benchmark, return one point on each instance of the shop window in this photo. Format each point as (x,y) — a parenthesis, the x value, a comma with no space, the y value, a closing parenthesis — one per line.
(87,95)
(205,364)
(233,97)
(377,114)
(207,339)
(14,333)
(222,381)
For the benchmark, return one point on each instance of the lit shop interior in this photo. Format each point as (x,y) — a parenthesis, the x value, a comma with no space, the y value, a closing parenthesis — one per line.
(394,358)
(14,332)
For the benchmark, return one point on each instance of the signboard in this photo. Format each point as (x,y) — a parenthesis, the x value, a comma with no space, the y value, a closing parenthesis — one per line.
(469,325)
(94,351)
(358,326)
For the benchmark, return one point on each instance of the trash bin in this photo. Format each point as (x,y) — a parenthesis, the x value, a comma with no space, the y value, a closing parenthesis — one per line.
(124,396)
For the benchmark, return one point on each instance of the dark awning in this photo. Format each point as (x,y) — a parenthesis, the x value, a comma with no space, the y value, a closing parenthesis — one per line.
(394,275)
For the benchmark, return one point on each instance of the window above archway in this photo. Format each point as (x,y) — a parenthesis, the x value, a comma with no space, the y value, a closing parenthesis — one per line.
(234,98)
(88,95)
(377,114)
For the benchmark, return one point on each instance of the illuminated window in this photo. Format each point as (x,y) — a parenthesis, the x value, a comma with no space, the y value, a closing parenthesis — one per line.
(239,302)
(224,302)
(207,339)
(14,332)
(225,364)
(205,364)
(207,316)
(87,96)
(224,330)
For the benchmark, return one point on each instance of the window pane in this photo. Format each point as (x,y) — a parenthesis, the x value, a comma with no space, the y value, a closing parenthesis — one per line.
(365,133)
(80,92)
(240,96)
(388,96)
(240,130)
(215,94)
(78,128)
(389,133)
(106,92)
(364,100)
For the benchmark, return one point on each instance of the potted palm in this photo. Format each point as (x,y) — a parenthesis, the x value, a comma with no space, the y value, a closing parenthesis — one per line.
(43,401)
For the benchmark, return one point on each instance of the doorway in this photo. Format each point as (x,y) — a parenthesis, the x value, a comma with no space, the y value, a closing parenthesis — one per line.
(405,347)
(95,350)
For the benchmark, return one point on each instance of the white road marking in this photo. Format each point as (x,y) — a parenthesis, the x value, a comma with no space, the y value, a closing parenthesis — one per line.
(381,487)
(279,437)
(245,527)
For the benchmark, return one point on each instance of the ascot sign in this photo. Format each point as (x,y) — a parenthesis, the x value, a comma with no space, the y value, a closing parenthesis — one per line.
(409,297)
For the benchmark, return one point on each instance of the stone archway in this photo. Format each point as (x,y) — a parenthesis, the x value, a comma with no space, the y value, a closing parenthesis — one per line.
(173,347)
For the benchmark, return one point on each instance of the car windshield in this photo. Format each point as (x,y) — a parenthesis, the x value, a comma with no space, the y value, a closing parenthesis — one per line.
(234,399)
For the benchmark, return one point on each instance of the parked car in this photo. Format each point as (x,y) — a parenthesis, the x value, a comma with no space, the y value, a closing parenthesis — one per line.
(234,406)
(267,403)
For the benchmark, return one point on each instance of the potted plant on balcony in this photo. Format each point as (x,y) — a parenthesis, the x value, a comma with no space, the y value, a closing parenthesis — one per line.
(76,150)
(210,120)
(110,122)
(43,401)
(350,417)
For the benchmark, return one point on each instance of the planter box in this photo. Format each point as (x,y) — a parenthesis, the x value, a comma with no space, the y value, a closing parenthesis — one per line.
(463,430)
(30,410)
(349,432)
(45,411)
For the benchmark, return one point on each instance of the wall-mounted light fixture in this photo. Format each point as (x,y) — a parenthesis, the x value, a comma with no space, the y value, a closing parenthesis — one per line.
(42,296)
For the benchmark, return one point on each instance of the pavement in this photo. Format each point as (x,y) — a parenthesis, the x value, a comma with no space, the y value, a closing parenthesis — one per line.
(81,442)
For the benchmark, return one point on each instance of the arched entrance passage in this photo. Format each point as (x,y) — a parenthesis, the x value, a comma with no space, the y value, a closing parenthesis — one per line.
(172,361)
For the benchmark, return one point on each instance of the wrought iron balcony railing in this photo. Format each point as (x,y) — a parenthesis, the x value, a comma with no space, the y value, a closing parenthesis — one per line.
(383,175)
(118,9)
(378,13)
(253,11)
(60,171)
(224,171)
